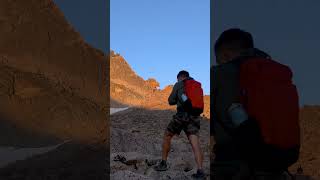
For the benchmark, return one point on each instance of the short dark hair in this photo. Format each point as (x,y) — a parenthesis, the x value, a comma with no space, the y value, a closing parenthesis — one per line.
(183,73)
(235,39)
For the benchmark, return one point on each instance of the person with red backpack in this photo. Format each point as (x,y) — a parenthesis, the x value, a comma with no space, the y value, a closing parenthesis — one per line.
(255,111)
(187,94)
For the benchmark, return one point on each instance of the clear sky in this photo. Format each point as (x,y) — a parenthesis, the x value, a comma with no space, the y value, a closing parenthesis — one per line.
(158,38)
(89,18)
(289,30)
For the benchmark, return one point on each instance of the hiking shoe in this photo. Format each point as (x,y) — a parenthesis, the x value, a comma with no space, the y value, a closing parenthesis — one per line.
(162,166)
(199,175)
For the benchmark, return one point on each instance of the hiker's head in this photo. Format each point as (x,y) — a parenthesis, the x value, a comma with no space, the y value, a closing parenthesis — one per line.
(182,75)
(231,44)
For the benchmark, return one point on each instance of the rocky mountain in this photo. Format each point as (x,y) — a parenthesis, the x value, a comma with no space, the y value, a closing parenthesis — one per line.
(130,89)
(43,56)
(36,38)
(52,89)
(125,85)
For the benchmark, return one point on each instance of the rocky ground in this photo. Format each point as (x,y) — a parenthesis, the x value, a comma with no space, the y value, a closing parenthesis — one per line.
(136,134)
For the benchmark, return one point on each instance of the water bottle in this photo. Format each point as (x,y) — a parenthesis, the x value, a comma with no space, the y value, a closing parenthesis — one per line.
(237,113)
(184,97)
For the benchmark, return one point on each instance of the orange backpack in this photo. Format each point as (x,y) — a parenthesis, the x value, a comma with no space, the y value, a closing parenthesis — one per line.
(271,100)
(194,93)
(270,97)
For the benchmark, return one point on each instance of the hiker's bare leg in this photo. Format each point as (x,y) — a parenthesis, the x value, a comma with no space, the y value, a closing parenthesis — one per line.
(166,144)
(194,141)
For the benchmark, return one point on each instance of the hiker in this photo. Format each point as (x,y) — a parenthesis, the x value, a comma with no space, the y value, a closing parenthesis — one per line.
(187,94)
(255,111)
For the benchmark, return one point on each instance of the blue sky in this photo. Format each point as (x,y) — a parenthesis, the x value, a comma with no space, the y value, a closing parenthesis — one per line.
(89,18)
(158,38)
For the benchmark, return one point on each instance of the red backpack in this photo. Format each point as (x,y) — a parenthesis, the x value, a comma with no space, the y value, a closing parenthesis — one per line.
(271,99)
(194,93)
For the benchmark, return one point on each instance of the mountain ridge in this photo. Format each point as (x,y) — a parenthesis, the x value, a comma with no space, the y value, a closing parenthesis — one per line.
(127,87)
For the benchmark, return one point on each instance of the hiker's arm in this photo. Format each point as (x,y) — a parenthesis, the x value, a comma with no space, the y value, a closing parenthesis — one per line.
(173,98)
(224,87)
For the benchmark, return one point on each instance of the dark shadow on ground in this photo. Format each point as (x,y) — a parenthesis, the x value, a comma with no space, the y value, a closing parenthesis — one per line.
(14,136)
(70,161)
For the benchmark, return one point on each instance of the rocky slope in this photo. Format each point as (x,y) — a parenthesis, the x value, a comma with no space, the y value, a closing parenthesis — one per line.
(36,38)
(34,103)
(52,88)
(125,85)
